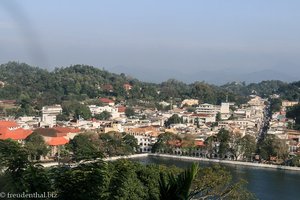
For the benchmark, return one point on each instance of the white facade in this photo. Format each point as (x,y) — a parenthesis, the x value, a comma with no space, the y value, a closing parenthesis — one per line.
(145,141)
(207,109)
(49,114)
(99,109)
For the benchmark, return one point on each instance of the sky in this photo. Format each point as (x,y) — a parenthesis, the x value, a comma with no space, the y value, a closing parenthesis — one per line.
(155,40)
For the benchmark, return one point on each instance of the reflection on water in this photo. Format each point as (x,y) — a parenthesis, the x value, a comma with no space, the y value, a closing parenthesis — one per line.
(266,183)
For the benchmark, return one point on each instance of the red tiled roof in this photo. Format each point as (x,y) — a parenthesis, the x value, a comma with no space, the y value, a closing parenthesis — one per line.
(17,134)
(176,143)
(121,109)
(106,100)
(8,124)
(199,143)
(56,141)
(66,130)
(50,132)
(201,115)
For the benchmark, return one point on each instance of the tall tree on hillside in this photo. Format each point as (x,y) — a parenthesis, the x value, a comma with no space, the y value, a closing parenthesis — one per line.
(294,113)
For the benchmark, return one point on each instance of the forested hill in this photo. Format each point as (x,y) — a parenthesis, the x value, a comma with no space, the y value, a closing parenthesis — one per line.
(81,82)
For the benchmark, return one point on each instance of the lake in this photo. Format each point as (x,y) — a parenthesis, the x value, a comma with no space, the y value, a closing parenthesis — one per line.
(267,184)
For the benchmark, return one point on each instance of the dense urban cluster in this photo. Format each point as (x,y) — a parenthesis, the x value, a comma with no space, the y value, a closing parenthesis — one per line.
(92,114)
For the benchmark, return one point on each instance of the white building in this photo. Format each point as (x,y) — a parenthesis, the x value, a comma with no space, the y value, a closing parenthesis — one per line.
(99,109)
(225,111)
(49,114)
(207,109)
(146,137)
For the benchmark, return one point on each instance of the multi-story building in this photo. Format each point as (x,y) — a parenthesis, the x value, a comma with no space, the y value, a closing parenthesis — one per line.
(207,109)
(49,114)
(146,136)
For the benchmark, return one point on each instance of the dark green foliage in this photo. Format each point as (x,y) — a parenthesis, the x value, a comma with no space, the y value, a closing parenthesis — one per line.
(248,147)
(82,82)
(162,143)
(74,110)
(85,146)
(36,146)
(178,187)
(121,179)
(129,112)
(275,105)
(294,113)
(86,181)
(174,119)
(272,146)
(202,183)
(223,137)
(115,144)
(13,157)
(103,116)
(295,161)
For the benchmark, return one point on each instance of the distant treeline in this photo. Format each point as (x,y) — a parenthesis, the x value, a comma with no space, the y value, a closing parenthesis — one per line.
(81,82)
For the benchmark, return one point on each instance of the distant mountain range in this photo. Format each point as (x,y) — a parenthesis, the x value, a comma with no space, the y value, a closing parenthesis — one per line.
(222,77)
(217,77)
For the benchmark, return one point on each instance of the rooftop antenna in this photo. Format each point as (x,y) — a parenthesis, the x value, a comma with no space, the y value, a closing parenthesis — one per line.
(226,98)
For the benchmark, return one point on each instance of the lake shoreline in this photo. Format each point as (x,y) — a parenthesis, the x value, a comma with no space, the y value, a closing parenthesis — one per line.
(189,158)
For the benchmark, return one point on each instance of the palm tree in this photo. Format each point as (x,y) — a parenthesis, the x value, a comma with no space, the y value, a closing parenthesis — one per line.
(178,187)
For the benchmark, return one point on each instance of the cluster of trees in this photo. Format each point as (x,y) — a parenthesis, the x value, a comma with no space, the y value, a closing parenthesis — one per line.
(289,91)
(225,145)
(121,179)
(37,87)
(272,146)
(174,119)
(33,88)
(275,105)
(92,146)
(294,113)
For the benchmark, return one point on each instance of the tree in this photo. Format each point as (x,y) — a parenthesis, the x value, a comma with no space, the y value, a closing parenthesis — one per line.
(294,113)
(163,142)
(275,105)
(196,183)
(129,112)
(248,147)
(84,147)
(295,161)
(103,116)
(235,145)
(36,146)
(272,146)
(86,181)
(82,111)
(218,117)
(178,187)
(130,143)
(174,119)
(223,138)
(13,157)
(216,183)
(124,183)
(210,145)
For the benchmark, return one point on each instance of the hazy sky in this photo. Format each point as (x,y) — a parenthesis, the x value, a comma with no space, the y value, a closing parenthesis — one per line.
(154,39)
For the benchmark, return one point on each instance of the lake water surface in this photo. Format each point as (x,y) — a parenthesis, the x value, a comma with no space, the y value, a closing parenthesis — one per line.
(267,184)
